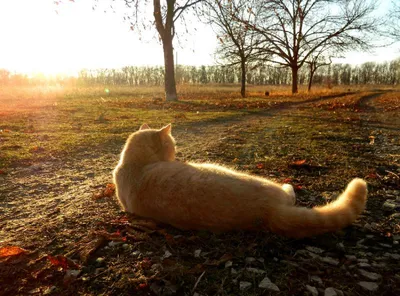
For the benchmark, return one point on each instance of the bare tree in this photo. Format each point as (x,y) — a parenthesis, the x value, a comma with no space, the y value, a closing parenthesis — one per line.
(165,17)
(293,30)
(394,20)
(237,43)
(317,60)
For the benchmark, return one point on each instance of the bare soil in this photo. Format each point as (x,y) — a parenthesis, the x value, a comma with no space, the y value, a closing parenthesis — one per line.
(72,238)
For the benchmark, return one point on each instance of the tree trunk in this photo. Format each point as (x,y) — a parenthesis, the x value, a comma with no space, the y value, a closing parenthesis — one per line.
(295,70)
(243,82)
(169,71)
(167,35)
(310,81)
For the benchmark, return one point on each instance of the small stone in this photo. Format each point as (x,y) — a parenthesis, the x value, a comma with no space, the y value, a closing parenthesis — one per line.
(71,275)
(136,253)
(389,206)
(100,260)
(369,286)
(113,244)
(233,271)
(378,265)
(167,254)
(261,260)
(393,256)
(228,264)
(385,245)
(156,267)
(312,290)
(316,279)
(125,246)
(351,257)
(370,275)
(267,284)
(255,270)
(330,292)
(364,260)
(250,260)
(197,253)
(72,272)
(330,261)
(360,242)
(244,285)
(368,226)
(364,265)
(374,225)
(340,246)
(314,250)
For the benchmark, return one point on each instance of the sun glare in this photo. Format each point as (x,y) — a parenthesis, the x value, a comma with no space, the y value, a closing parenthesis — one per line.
(42,37)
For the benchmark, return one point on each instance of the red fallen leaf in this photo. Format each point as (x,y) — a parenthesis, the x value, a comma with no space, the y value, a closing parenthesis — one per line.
(299,162)
(2,172)
(11,251)
(63,262)
(110,190)
(260,165)
(372,176)
(143,286)
(287,180)
(58,261)
(106,192)
(298,187)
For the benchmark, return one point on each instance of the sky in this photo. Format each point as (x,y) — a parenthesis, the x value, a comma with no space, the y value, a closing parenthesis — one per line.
(38,36)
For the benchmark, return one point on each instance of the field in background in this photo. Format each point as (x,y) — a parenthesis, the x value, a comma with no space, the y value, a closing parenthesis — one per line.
(58,120)
(58,147)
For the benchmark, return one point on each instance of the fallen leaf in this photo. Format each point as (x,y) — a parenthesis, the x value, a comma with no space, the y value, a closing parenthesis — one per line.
(11,251)
(143,286)
(58,261)
(299,162)
(260,165)
(110,190)
(106,192)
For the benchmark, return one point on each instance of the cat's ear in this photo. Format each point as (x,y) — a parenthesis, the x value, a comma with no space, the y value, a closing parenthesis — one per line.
(166,130)
(144,127)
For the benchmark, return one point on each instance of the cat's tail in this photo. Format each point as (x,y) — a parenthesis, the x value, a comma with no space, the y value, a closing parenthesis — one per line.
(302,222)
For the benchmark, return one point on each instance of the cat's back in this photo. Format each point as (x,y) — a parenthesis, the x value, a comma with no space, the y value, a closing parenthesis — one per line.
(191,178)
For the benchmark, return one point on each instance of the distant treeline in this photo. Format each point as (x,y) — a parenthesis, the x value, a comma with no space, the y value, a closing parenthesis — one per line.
(387,73)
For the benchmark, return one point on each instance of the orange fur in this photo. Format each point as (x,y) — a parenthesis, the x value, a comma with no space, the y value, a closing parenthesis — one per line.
(150,183)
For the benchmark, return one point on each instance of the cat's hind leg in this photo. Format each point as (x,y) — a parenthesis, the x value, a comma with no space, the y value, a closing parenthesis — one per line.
(290,191)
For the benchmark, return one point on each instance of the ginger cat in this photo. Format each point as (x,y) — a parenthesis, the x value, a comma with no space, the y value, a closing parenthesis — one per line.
(150,183)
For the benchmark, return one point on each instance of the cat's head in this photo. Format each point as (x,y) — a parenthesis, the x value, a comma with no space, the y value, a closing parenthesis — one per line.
(151,145)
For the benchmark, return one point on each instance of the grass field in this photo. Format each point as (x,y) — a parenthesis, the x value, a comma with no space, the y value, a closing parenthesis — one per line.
(62,232)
